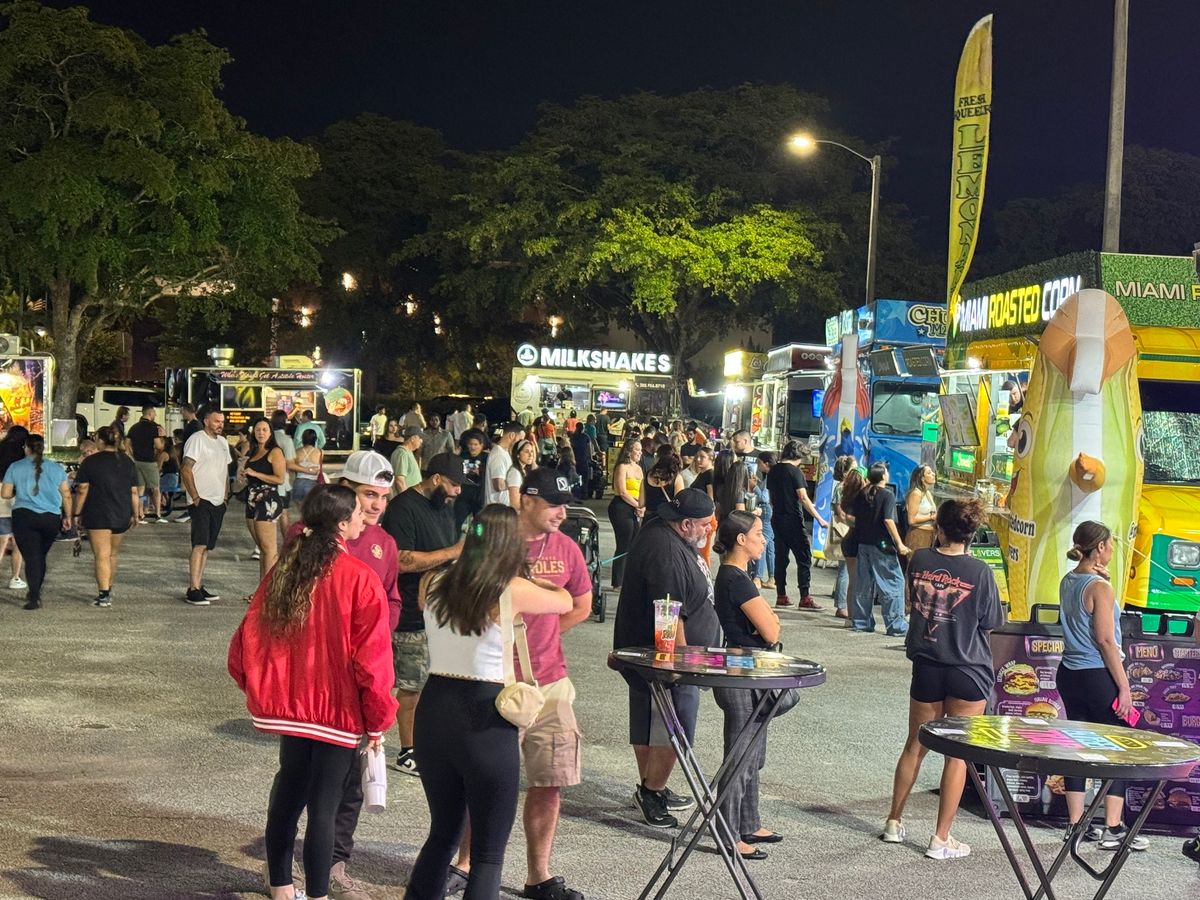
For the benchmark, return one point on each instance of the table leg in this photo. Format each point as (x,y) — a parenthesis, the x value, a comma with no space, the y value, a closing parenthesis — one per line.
(731,768)
(707,800)
(1109,873)
(981,788)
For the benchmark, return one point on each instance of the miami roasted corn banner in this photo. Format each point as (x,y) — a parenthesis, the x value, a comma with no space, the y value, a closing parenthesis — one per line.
(1077,448)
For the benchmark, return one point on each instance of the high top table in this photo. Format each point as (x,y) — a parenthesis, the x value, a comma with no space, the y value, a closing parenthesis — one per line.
(773,674)
(1106,753)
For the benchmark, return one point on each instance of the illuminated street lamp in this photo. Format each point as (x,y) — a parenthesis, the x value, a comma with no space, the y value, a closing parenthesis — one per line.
(803,144)
(349,282)
(306,314)
(410,305)
(437,324)
(556,322)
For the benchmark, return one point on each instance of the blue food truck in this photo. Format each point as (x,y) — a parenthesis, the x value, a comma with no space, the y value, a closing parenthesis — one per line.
(883,391)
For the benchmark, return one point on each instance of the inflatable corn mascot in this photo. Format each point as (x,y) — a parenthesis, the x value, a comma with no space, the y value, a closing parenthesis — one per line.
(1077,453)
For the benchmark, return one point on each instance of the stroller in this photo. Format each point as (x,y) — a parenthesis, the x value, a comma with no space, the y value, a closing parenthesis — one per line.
(582,527)
(599,480)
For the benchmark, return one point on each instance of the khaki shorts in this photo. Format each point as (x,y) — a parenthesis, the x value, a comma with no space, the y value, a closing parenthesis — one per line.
(410,660)
(147,474)
(552,745)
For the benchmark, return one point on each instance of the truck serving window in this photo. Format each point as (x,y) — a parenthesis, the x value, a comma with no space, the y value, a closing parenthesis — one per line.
(802,422)
(1171,432)
(898,407)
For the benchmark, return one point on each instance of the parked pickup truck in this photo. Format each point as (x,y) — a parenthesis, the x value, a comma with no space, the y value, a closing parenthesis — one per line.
(106,399)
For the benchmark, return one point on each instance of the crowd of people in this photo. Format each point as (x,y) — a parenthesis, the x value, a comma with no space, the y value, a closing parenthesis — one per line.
(422,586)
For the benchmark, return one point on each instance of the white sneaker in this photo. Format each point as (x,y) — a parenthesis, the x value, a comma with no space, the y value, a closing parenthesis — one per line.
(17,584)
(947,849)
(893,832)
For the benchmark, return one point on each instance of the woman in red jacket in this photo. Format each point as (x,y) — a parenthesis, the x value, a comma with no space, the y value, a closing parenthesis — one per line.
(314,658)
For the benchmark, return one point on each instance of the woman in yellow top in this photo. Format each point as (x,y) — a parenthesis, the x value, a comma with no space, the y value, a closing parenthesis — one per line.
(625,510)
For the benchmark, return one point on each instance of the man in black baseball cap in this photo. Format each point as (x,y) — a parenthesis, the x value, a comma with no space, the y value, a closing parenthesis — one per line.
(421,522)
(664,560)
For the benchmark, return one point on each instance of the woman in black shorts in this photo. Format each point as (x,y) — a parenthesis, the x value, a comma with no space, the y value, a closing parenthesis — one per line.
(955,606)
(265,470)
(107,503)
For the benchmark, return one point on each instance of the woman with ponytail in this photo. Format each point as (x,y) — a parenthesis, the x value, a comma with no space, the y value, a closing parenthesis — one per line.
(41,510)
(106,494)
(1091,676)
(314,657)
(748,621)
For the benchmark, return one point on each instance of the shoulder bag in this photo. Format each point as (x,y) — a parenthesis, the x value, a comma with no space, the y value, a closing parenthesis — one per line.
(791,696)
(520,702)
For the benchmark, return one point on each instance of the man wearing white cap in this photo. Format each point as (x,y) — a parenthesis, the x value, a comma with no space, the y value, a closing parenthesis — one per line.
(370,476)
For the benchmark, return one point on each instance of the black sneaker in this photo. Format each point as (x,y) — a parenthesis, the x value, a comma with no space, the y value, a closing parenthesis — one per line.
(554,889)
(208,595)
(1091,834)
(653,807)
(195,597)
(33,603)
(104,600)
(1191,850)
(406,762)
(185,517)
(675,802)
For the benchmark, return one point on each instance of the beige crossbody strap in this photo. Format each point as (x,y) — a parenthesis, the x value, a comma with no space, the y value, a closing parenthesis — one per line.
(512,627)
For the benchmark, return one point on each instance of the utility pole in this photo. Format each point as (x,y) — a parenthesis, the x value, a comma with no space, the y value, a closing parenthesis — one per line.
(1111,242)
(873,228)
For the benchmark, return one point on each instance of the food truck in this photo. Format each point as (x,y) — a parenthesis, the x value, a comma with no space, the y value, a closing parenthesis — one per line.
(882,393)
(1016,409)
(789,397)
(746,403)
(245,393)
(637,385)
(26,386)
(994,337)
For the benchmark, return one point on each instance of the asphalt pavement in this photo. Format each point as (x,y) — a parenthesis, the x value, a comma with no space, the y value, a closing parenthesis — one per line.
(130,769)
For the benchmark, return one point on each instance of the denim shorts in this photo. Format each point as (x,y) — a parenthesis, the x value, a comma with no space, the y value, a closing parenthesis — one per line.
(6,526)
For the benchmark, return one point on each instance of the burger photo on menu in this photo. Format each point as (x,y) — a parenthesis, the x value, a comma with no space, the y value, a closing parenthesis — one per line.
(1018,679)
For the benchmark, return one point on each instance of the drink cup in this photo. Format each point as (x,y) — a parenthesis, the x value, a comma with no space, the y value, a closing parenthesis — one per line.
(666,624)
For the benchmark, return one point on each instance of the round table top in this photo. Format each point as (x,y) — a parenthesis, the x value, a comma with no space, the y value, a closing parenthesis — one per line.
(1062,747)
(727,667)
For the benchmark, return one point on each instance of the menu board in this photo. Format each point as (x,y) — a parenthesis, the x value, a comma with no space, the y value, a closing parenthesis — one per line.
(1163,681)
(1164,678)
(740,662)
(958,420)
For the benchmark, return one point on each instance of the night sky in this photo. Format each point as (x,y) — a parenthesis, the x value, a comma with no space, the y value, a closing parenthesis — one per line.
(477,70)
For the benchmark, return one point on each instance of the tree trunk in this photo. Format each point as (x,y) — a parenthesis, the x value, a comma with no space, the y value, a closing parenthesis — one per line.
(67,352)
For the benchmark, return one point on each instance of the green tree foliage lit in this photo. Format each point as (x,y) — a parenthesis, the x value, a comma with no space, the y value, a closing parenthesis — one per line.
(124,180)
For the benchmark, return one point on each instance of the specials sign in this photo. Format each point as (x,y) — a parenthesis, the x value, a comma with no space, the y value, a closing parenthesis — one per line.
(530,356)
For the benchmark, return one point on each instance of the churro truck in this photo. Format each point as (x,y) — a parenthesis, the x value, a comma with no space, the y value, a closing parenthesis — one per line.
(883,391)
(1070,393)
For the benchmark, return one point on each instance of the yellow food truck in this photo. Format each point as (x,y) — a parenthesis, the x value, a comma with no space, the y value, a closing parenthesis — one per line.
(993,338)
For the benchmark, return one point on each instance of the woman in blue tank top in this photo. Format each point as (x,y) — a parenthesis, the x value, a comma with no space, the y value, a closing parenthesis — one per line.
(1091,677)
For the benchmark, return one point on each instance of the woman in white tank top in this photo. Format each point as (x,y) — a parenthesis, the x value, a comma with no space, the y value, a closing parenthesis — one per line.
(466,752)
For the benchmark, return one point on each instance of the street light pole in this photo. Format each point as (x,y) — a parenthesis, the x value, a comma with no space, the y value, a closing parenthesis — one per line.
(1111,239)
(803,143)
(873,229)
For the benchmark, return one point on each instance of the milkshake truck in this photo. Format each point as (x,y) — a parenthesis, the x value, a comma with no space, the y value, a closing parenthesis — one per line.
(883,392)
(1023,427)
(638,385)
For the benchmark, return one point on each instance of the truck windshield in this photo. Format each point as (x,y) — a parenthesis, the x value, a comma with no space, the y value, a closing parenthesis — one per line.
(899,407)
(1171,432)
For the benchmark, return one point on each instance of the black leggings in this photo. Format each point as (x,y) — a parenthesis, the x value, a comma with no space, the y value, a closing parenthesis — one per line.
(625,525)
(312,776)
(792,536)
(469,762)
(1088,695)
(347,815)
(35,533)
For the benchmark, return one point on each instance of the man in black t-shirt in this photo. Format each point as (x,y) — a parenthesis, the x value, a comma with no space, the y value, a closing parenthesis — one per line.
(664,560)
(421,521)
(143,440)
(789,501)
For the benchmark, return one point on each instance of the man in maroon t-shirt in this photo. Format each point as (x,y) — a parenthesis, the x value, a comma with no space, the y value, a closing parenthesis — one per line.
(551,745)
(370,476)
